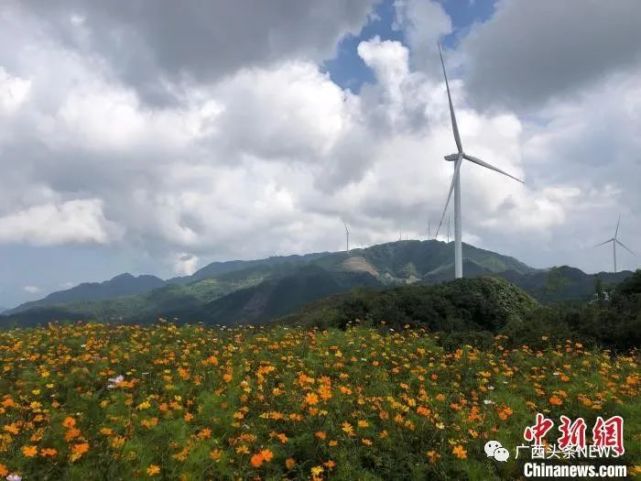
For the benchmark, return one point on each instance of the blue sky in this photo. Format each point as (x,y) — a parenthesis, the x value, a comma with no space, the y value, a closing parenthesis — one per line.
(349,71)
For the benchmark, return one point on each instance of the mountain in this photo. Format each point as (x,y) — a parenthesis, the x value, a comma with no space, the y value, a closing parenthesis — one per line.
(216,269)
(282,295)
(121,285)
(264,289)
(563,283)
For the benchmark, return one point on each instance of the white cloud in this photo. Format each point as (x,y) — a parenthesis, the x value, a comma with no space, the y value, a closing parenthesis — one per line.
(185,264)
(32,289)
(75,221)
(424,23)
(13,91)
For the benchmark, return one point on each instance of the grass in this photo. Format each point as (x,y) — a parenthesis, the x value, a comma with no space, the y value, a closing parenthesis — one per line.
(199,403)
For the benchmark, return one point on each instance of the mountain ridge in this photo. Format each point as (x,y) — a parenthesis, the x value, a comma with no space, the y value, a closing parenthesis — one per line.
(254,290)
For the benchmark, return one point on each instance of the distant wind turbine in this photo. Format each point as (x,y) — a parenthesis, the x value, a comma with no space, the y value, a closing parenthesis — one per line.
(615,240)
(346,237)
(455,187)
(448,229)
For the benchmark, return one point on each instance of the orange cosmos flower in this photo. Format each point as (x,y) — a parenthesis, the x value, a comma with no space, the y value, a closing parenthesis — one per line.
(48,452)
(259,458)
(459,451)
(555,400)
(153,470)
(505,413)
(12,428)
(4,471)
(29,451)
(78,450)
(311,398)
(267,454)
(69,422)
(72,434)
(432,456)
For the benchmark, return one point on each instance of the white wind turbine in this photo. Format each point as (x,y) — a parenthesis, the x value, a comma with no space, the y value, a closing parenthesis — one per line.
(347,237)
(615,240)
(455,187)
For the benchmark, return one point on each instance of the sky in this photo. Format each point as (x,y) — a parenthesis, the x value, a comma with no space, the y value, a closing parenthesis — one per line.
(157,136)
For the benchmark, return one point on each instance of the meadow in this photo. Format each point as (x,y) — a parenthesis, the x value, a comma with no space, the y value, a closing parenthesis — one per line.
(166,402)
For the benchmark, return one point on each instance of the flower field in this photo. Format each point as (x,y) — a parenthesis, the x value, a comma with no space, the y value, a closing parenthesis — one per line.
(90,401)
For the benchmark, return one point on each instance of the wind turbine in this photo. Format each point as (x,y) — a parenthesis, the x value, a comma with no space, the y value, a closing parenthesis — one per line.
(346,236)
(455,187)
(448,229)
(615,240)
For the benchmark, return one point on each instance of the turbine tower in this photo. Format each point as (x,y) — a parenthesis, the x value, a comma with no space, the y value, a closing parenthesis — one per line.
(455,187)
(615,240)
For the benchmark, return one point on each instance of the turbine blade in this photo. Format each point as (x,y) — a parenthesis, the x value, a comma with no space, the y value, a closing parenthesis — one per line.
(457,137)
(480,162)
(622,245)
(457,167)
(616,232)
(604,243)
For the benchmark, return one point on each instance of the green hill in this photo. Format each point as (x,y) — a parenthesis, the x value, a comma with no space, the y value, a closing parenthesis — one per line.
(480,304)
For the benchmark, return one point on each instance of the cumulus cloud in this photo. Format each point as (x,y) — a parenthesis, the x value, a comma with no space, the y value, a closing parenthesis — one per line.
(424,23)
(157,47)
(76,221)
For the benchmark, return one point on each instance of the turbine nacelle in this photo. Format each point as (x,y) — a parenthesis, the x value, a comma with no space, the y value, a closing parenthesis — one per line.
(451,157)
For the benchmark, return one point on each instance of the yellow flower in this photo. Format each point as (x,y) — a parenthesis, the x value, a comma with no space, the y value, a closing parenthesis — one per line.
(153,470)
(347,428)
(216,454)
